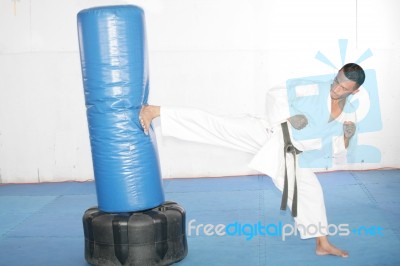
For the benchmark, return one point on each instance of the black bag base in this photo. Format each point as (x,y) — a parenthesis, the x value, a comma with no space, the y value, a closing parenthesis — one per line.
(146,238)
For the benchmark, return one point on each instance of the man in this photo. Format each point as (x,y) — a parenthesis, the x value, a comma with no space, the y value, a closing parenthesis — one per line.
(263,137)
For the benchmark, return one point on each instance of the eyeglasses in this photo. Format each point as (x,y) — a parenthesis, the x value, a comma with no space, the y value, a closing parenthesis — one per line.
(340,85)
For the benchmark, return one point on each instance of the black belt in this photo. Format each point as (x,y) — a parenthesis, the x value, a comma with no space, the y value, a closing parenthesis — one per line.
(289,148)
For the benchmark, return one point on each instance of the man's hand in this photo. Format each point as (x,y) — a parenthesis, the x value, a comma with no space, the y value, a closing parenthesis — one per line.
(298,121)
(349,128)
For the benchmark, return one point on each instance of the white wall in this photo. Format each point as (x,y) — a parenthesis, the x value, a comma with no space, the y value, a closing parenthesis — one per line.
(219,55)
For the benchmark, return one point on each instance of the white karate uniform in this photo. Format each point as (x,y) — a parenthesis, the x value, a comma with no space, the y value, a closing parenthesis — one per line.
(255,136)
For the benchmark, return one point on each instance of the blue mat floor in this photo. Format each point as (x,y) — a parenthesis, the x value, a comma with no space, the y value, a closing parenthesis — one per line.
(41,224)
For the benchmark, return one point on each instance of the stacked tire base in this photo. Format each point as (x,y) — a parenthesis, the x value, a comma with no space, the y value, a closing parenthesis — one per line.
(152,237)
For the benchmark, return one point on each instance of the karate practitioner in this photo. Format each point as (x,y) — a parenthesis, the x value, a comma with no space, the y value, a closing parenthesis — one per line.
(263,137)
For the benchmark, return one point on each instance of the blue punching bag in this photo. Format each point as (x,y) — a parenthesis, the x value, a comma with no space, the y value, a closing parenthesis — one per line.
(113,53)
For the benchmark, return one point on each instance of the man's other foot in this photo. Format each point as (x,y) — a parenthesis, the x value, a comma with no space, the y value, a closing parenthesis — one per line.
(326,248)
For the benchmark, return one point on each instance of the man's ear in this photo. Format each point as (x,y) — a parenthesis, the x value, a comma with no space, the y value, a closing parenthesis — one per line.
(355,91)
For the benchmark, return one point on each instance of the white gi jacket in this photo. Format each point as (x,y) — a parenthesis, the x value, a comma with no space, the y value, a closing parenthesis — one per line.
(280,106)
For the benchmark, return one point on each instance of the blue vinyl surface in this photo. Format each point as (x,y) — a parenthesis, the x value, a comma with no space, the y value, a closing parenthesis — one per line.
(112,42)
(41,224)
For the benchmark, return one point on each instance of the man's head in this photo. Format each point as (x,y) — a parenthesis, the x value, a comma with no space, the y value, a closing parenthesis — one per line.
(348,80)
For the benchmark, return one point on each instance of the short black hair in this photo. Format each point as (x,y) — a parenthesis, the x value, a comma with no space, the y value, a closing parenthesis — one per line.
(354,72)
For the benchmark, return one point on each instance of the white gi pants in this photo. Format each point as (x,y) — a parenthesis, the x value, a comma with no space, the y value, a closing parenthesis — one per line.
(249,134)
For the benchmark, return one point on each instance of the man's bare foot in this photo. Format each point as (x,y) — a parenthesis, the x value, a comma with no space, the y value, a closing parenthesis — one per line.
(325,248)
(146,115)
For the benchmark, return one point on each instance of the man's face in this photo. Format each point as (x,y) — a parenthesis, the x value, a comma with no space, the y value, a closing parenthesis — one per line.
(342,87)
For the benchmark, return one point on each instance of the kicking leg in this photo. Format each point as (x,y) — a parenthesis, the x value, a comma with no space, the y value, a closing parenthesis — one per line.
(244,133)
